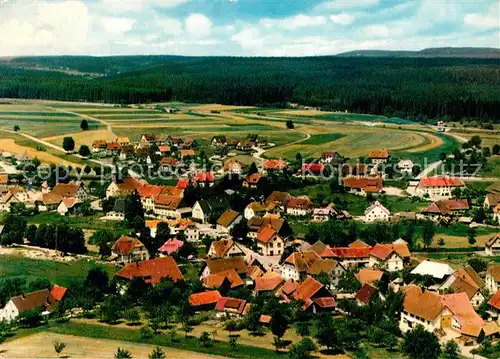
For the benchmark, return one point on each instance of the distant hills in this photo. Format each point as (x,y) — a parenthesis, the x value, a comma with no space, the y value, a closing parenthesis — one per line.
(457,52)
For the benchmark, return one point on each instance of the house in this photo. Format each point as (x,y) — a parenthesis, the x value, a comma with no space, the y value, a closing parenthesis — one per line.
(492,279)
(113,148)
(189,144)
(204,179)
(377,212)
(118,212)
(274,165)
(171,246)
(148,194)
(378,156)
(267,282)
(439,271)
(49,202)
(446,208)
(368,276)
(231,306)
(312,169)
(126,152)
(324,214)
(204,300)
(363,185)
(492,245)
(187,154)
(279,199)
(224,280)
(164,150)
(218,141)
(492,198)
(234,167)
(299,265)
(214,266)
(43,299)
(299,206)
(14,195)
(208,210)
(245,145)
(152,271)
(123,141)
(450,312)
(390,257)
(437,188)
(149,138)
(280,225)
(99,145)
(466,280)
(127,249)
(440,126)
(365,294)
(348,257)
(315,296)
(269,243)
(355,170)
(228,220)
(332,157)
(259,209)
(68,206)
(253,180)
(124,187)
(405,166)
(224,248)
(168,206)
(169,163)
(71,191)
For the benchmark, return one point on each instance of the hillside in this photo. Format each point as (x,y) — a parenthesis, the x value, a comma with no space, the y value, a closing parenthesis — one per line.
(454,52)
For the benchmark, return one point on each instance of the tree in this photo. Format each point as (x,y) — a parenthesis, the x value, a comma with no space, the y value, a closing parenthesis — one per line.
(471,235)
(157,353)
(253,169)
(186,328)
(68,144)
(233,339)
(134,213)
(486,152)
(421,344)
(442,156)
(298,157)
(290,125)
(303,329)
(132,315)
(428,231)
(496,149)
(97,283)
(348,283)
(451,350)
(122,354)
(84,125)
(84,151)
(17,128)
(278,343)
(302,349)
(13,230)
(111,309)
(326,333)
(475,141)
(205,339)
(59,347)
(477,264)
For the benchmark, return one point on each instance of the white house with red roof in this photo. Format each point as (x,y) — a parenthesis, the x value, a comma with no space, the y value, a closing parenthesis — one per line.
(171,246)
(127,249)
(299,206)
(437,188)
(390,257)
(269,243)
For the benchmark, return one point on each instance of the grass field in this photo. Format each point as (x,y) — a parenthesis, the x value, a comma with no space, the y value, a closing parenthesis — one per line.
(62,273)
(82,137)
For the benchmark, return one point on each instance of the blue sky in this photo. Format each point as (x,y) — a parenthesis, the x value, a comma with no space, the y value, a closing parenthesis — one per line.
(242,27)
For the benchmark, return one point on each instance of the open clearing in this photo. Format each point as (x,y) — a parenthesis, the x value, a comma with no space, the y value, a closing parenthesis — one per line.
(8,145)
(40,346)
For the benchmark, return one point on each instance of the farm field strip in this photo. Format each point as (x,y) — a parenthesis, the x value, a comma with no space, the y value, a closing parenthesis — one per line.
(82,137)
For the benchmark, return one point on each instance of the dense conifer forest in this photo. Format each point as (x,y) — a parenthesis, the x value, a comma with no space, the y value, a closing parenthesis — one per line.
(415,88)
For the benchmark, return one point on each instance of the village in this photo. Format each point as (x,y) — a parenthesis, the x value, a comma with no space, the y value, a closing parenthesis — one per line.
(237,226)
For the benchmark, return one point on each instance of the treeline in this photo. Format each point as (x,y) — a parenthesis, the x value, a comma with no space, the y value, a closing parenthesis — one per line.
(413,88)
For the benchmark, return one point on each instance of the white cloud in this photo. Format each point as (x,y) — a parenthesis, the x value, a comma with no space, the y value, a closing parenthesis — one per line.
(377,30)
(293,22)
(249,37)
(170,26)
(198,25)
(342,19)
(136,6)
(345,4)
(117,25)
(487,20)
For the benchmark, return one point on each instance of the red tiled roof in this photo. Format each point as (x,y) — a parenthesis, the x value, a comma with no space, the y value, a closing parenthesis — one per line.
(216,280)
(66,190)
(230,304)
(269,281)
(379,153)
(112,146)
(368,276)
(168,202)
(288,288)
(125,244)
(224,264)
(306,290)
(343,252)
(152,270)
(254,178)
(171,246)
(299,202)
(265,319)
(164,148)
(185,153)
(58,292)
(325,302)
(205,177)
(495,300)
(204,298)
(447,206)
(266,234)
(274,164)
(222,247)
(182,183)
(365,293)
(169,161)
(441,182)
(149,191)
(382,251)
(374,184)
(313,167)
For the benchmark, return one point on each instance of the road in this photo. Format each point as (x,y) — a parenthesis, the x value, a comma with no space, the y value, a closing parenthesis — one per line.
(267,262)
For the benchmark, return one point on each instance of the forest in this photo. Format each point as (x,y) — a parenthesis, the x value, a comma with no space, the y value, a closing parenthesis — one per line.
(415,88)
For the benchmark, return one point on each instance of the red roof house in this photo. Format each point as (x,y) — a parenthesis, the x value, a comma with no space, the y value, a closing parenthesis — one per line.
(173,245)
(152,271)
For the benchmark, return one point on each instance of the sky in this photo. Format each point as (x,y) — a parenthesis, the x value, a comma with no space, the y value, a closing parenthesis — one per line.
(242,27)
